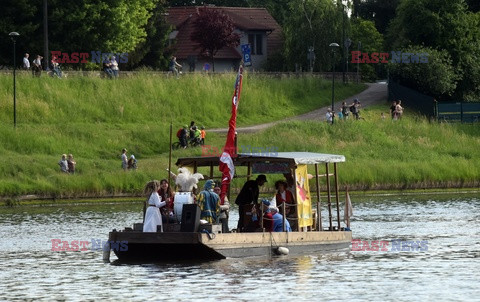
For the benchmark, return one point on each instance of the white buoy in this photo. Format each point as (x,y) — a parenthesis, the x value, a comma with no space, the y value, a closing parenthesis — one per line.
(281,250)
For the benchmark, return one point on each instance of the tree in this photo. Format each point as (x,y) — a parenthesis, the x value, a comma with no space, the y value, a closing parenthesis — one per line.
(22,16)
(442,25)
(364,31)
(314,23)
(109,26)
(214,30)
(381,12)
(154,51)
(75,26)
(437,77)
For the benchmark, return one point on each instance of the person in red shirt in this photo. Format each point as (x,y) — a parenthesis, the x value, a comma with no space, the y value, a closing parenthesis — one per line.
(284,196)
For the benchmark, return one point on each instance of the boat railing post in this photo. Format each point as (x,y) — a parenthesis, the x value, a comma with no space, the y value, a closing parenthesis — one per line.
(329,198)
(297,225)
(319,213)
(284,215)
(336,193)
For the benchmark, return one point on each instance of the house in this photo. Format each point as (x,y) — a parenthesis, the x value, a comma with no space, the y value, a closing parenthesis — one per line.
(255,26)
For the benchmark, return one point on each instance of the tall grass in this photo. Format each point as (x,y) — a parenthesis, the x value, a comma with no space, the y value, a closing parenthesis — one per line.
(95,118)
(384,154)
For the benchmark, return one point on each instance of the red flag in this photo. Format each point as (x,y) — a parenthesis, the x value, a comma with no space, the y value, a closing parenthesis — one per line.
(226,159)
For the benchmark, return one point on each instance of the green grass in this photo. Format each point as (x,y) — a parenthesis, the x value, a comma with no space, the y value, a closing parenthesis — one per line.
(95,118)
(382,154)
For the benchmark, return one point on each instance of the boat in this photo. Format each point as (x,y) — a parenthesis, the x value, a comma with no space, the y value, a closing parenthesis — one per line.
(189,240)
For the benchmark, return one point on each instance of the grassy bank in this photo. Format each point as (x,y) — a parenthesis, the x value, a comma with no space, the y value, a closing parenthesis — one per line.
(95,118)
(382,154)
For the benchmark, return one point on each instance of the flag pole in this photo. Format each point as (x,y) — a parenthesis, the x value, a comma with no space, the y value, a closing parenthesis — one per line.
(170,156)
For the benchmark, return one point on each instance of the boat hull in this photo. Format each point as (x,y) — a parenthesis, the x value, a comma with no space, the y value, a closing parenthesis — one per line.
(139,246)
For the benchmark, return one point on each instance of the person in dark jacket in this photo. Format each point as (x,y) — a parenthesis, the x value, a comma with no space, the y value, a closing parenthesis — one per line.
(248,196)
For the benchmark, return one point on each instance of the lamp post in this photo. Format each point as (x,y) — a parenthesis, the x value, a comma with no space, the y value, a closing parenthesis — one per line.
(333,46)
(311,57)
(13,36)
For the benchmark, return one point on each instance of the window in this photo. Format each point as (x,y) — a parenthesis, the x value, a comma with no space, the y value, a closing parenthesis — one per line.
(256,43)
(259,44)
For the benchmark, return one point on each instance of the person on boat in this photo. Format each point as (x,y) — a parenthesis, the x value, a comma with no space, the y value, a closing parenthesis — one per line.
(284,196)
(278,221)
(166,194)
(153,218)
(209,202)
(247,196)
(224,209)
(267,216)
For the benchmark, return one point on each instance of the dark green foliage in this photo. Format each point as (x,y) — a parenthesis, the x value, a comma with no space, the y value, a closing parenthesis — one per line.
(437,77)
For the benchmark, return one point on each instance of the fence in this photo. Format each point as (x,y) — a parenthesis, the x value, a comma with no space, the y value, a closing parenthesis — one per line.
(411,99)
(458,112)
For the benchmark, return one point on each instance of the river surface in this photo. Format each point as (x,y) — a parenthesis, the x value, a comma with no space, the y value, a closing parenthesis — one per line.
(448,269)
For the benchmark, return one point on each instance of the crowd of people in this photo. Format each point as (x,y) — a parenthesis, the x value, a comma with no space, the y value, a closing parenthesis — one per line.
(267,215)
(396,111)
(345,111)
(109,66)
(159,207)
(193,135)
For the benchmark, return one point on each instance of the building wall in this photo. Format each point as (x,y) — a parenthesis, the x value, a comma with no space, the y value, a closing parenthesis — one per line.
(257,60)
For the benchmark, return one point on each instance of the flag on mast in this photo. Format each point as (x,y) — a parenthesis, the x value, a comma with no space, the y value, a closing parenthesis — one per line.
(229,150)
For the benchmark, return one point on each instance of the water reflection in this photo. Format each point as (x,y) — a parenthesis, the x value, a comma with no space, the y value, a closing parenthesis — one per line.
(447,271)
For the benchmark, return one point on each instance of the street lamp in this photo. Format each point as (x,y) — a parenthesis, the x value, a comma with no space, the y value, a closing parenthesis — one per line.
(334,47)
(13,35)
(311,57)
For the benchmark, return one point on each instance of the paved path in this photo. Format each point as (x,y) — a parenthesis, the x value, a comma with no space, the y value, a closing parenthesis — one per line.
(375,93)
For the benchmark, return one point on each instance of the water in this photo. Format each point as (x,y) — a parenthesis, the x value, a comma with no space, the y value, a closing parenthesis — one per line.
(448,271)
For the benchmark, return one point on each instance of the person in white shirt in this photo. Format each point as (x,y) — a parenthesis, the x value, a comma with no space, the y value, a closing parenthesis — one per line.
(124,159)
(26,62)
(114,67)
(37,66)
(153,218)
(329,115)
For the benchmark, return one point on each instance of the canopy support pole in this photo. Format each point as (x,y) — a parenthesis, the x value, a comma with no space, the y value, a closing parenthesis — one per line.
(329,199)
(319,208)
(336,194)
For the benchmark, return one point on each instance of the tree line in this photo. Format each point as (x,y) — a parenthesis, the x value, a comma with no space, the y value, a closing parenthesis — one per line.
(447,30)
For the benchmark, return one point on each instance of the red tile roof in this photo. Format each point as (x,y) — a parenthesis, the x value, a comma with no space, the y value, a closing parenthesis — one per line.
(244,18)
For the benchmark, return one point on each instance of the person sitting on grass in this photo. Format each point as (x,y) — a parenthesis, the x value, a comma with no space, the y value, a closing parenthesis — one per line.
(71,164)
(132,163)
(63,164)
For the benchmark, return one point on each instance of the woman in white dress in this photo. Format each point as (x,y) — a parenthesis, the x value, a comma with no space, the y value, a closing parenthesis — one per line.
(153,218)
